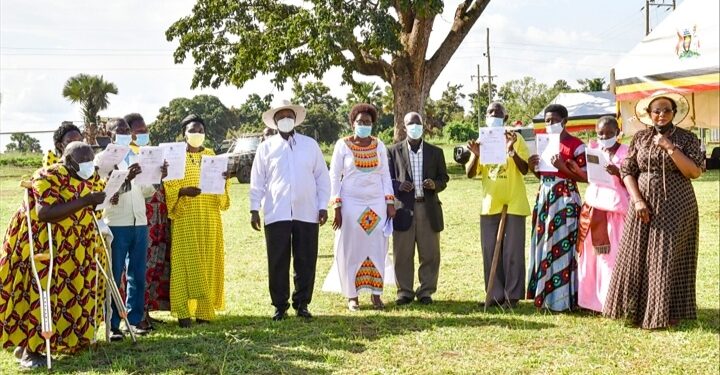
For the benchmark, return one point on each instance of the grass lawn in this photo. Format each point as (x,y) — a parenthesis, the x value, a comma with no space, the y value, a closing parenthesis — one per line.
(451,336)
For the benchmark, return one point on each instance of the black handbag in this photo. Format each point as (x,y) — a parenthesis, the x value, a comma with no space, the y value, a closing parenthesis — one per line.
(403,219)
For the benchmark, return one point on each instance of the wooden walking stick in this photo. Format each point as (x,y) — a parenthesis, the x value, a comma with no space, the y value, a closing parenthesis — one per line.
(497,254)
(44,294)
(110,284)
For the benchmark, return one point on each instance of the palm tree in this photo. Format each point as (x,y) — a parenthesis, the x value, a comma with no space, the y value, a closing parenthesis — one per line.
(591,84)
(91,92)
(364,92)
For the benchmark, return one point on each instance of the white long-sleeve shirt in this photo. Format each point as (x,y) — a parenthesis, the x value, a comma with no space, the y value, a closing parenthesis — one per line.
(289,179)
(130,210)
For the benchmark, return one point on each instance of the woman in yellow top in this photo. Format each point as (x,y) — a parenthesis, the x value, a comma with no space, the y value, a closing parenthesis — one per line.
(65,134)
(65,195)
(197,263)
(503,184)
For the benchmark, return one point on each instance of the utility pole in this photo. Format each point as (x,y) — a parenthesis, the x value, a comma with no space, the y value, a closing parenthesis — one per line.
(480,111)
(648,4)
(487,54)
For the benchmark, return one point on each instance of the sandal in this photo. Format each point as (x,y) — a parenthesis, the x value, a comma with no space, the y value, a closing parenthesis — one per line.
(377,303)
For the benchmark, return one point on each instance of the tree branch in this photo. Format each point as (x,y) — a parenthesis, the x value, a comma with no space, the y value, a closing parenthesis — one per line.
(367,64)
(466,15)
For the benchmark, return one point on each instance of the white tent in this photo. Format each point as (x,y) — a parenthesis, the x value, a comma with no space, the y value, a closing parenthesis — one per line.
(681,55)
(584,108)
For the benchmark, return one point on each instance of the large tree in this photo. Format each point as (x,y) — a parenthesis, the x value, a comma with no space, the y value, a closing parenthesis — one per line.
(218,119)
(91,92)
(324,121)
(21,142)
(524,98)
(249,114)
(592,84)
(233,41)
(447,108)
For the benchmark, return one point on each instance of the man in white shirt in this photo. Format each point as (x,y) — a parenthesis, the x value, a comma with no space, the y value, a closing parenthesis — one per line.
(290,180)
(126,217)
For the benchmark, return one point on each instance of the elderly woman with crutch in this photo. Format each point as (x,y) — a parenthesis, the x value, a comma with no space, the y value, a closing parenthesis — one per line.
(49,298)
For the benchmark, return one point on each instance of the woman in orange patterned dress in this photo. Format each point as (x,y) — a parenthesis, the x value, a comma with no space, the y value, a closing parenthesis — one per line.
(362,193)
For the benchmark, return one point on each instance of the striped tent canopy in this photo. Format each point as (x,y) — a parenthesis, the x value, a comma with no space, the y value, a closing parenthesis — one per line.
(681,55)
(584,108)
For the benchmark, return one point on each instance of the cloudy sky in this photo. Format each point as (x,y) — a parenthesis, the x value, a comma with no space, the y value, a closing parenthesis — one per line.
(42,43)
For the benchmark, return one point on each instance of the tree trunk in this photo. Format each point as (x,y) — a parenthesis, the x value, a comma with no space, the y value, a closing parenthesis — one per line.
(409,97)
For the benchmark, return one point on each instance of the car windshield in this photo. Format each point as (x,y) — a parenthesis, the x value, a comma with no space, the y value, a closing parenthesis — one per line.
(246,144)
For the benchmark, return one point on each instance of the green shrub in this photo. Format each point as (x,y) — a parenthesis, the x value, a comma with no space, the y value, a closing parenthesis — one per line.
(461,131)
(21,160)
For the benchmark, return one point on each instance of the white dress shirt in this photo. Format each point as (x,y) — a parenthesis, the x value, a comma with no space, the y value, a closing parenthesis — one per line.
(289,179)
(416,169)
(130,210)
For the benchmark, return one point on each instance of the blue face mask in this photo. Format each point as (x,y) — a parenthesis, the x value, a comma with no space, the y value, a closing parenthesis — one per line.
(414,131)
(123,139)
(363,131)
(494,122)
(85,170)
(142,139)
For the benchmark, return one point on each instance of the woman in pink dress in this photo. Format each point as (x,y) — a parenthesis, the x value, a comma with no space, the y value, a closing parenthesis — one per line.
(601,220)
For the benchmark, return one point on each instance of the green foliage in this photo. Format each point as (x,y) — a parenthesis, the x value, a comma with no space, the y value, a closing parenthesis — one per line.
(218,119)
(315,94)
(592,84)
(481,102)
(249,114)
(524,98)
(20,160)
(321,124)
(365,92)
(446,109)
(23,143)
(91,92)
(461,130)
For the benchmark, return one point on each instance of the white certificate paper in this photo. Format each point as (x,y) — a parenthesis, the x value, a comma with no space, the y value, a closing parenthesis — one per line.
(109,158)
(112,186)
(596,163)
(174,154)
(151,161)
(492,146)
(548,145)
(212,168)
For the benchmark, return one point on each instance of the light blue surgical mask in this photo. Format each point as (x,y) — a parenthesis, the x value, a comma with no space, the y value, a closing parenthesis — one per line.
(142,139)
(607,143)
(123,139)
(414,131)
(494,122)
(363,131)
(85,170)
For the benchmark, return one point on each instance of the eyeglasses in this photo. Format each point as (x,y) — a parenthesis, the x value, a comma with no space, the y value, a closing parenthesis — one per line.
(662,111)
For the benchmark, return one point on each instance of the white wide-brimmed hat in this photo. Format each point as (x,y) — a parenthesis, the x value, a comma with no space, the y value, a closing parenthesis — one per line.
(269,116)
(683,107)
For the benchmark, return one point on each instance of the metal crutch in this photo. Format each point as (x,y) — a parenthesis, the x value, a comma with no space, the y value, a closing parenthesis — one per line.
(45,308)
(110,280)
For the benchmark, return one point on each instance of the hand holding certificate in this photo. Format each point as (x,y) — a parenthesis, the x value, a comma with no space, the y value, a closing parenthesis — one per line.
(151,162)
(548,145)
(597,162)
(108,159)
(212,170)
(174,154)
(492,146)
(112,186)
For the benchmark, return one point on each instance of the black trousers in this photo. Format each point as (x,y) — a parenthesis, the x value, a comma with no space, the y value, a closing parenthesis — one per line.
(300,239)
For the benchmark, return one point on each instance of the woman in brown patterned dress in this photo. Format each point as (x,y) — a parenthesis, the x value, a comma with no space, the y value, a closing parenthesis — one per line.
(654,279)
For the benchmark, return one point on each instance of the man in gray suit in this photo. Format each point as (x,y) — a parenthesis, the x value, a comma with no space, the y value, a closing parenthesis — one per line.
(418,174)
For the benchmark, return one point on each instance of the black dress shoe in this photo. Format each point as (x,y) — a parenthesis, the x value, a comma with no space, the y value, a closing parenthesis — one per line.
(184,322)
(279,315)
(403,301)
(425,300)
(303,312)
(492,304)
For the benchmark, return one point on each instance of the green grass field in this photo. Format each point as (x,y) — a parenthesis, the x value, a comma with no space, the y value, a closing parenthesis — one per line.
(451,336)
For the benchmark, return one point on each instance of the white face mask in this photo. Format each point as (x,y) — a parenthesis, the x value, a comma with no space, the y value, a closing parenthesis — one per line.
(195,139)
(607,143)
(555,128)
(494,122)
(286,124)
(85,170)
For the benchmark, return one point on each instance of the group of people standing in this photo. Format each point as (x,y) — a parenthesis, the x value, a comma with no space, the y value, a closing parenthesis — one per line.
(630,250)
(136,227)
